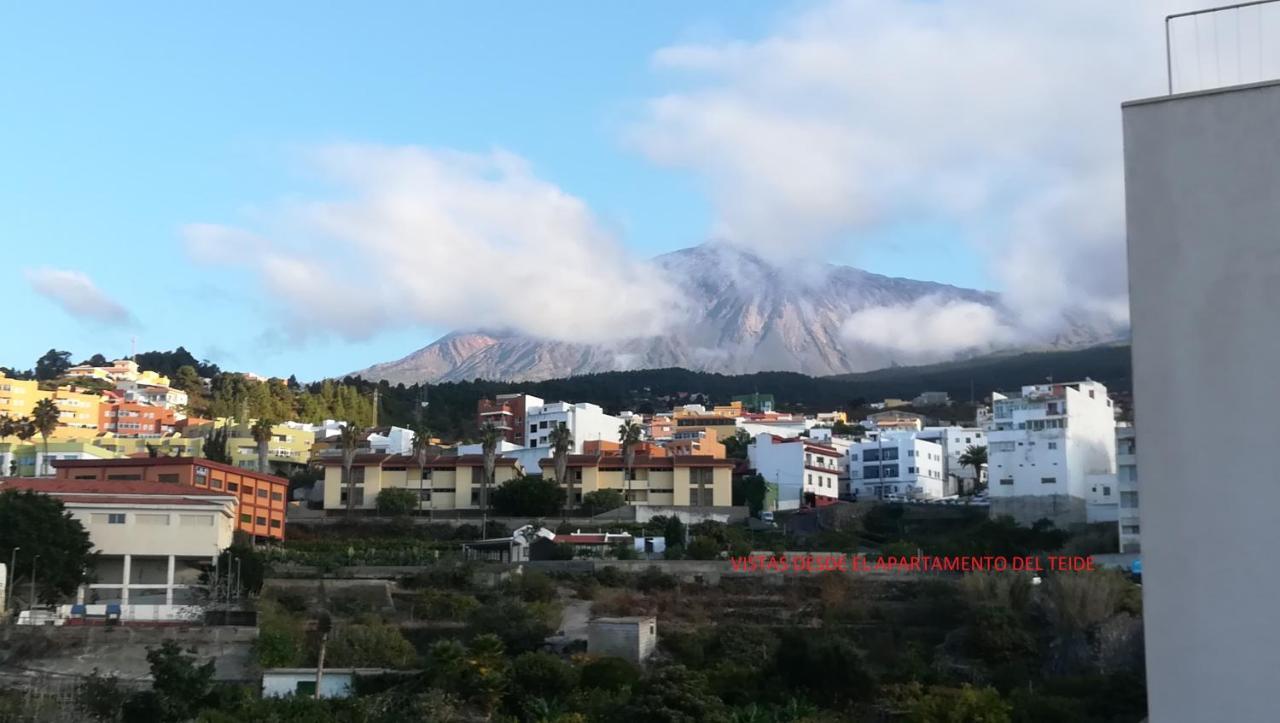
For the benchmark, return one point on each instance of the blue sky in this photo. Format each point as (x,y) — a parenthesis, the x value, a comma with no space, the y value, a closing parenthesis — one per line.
(122,124)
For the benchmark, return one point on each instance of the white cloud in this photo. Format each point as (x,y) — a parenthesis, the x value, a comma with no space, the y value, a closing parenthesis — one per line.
(76,293)
(428,238)
(1001,116)
(930,329)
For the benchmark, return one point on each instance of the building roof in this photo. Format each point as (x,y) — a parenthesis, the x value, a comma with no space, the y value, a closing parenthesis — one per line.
(94,492)
(384,459)
(631,620)
(162,462)
(592,538)
(641,461)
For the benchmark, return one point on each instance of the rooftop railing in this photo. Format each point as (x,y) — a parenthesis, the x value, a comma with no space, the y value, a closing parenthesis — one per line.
(1222,46)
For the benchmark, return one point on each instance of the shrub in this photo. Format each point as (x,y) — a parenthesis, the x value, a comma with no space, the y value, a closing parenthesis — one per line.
(609,674)
(370,644)
(654,579)
(528,496)
(397,501)
(533,586)
(520,627)
(281,638)
(704,548)
(611,577)
(444,605)
(594,503)
(542,675)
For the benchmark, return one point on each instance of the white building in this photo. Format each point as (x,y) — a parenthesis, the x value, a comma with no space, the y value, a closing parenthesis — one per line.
(897,464)
(1127,488)
(796,468)
(1202,189)
(1045,446)
(159,395)
(391,440)
(782,428)
(153,539)
(587,422)
(633,639)
(954,441)
(302,682)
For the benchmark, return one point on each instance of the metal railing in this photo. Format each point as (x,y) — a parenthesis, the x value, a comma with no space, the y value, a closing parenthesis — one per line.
(1243,27)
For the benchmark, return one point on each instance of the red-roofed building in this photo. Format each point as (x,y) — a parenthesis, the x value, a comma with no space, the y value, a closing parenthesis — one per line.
(153,541)
(262,497)
(444,482)
(677,480)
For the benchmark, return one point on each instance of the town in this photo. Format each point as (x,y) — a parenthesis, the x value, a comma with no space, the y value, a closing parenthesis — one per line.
(201,523)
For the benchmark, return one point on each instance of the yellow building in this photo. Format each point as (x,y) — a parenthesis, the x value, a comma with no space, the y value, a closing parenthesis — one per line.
(26,459)
(678,480)
(169,445)
(17,396)
(445,483)
(718,426)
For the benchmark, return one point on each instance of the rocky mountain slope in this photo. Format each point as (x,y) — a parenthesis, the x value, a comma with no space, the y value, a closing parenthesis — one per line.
(745,314)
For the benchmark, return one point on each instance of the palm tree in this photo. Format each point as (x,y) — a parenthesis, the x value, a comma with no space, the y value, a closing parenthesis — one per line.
(8,426)
(44,418)
(561,439)
(421,443)
(261,433)
(976,457)
(489,438)
(628,436)
(349,439)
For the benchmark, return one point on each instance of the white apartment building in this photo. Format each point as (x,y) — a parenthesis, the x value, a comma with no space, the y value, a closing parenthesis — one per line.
(796,469)
(897,464)
(153,539)
(587,422)
(1047,446)
(954,441)
(1127,488)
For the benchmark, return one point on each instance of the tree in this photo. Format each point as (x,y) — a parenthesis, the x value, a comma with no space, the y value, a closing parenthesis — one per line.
(215,445)
(528,497)
(247,564)
(673,693)
(349,439)
(602,501)
(561,439)
(515,623)
(421,445)
(53,364)
(975,456)
(261,431)
(673,531)
(179,687)
(101,697)
(397,501)
(370,644)
(841,428)
(41,526)
(541,675)
(628,436)
(750,490)
(44,416)
(489,439)
(97,360)
(735,446)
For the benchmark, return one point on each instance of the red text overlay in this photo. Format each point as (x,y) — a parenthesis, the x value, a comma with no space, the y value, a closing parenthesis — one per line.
(911,563)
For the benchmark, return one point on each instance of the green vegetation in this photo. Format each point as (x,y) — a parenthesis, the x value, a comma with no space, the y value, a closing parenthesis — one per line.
(594,503)
(47,534)
(527,496)
(397,501)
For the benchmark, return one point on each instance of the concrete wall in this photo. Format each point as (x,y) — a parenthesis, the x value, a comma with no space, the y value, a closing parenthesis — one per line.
(631,641)
(1203,206)
(1062,510)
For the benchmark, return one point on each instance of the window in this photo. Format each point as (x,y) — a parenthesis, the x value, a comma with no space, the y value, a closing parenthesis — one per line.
(261,520)
(262,493)
(202,474)
(890,453)
(1053,445)
(277,496)
(424,494)
(1106,490)
(1007,481)
(232,487)
(533,429)
(86,476)
(911,470)
(1131,529)
(173,479)
(890,470)
(246,519)
(305,689)
(275,523)
(112,518)
(871,455)
(542,424)
(1129,499)
(871,471)
(1048,480)
(125,477)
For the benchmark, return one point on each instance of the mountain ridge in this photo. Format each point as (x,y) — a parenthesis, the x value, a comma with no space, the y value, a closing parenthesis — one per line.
(744,314)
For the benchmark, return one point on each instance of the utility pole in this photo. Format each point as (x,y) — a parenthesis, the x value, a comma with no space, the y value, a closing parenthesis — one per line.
(375,405)
(31,605)
(324,640)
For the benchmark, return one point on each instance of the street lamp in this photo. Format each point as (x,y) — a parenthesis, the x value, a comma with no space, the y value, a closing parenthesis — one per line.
(32,604)
(13,560)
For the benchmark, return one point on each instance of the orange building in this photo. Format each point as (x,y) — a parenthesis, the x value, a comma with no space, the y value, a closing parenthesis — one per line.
(604,446)
(262,497)
(131,419)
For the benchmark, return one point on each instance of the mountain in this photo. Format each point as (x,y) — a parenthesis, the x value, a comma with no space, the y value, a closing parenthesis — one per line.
(744,314)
